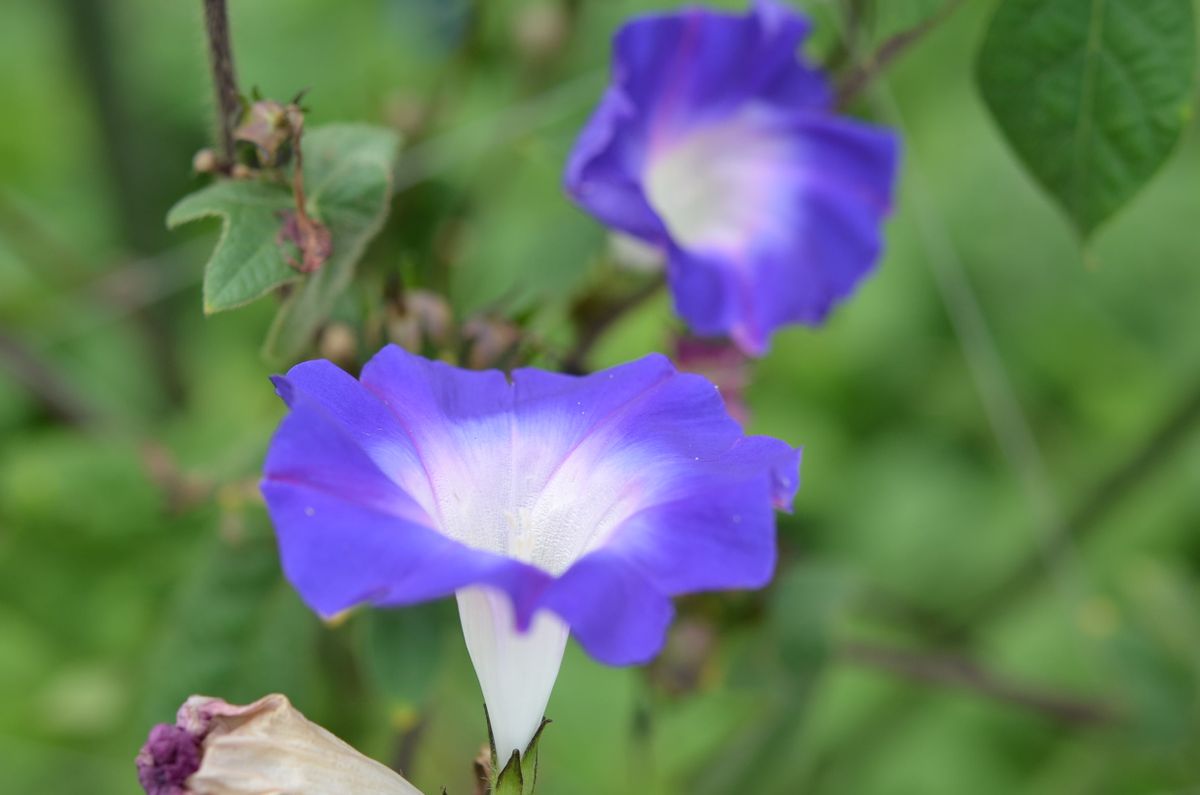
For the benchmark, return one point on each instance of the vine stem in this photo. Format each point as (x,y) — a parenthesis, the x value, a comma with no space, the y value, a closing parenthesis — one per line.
(220,50)
(955,671)
(864,73)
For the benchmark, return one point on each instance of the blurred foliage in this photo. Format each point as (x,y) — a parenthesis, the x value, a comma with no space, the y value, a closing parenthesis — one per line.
(136,564)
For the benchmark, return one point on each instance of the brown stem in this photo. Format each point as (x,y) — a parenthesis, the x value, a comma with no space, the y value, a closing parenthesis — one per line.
(311,236)
(229,105)
(306,220)
(950,670)
(861,76)
(407,743)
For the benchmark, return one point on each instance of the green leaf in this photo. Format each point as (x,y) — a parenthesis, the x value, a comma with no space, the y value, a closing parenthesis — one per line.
(247,262)
(528,244)
(236,630)
(348,179)
(348,175)
(1092,94)
(807,604)
(403,650)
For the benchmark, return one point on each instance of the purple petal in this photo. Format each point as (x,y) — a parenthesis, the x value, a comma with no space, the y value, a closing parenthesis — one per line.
(615,612)
(694,66)
(349,533)
(595,497)
(602,172)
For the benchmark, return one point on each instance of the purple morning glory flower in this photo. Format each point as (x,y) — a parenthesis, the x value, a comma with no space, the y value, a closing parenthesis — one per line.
(550,504)
(718,144)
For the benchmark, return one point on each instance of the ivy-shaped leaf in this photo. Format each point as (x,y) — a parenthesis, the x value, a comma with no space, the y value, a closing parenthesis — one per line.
(348,175)
(1092,94)
(247,262)
(348,178)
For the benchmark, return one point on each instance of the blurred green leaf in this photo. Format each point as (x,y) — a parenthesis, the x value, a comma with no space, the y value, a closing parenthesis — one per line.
(348,176)
(64,490)
(403,650)
(1091,95)
(528,244)
(248,262)
(807,603)
(237,631)
(1154,646)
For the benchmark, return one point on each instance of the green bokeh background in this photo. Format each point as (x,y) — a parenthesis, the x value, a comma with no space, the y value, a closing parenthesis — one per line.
(983,385)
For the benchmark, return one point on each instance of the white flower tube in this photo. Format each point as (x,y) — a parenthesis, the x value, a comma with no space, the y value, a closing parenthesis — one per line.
(516,670)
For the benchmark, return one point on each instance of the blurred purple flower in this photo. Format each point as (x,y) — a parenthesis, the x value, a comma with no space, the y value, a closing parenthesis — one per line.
(716,143)
(549,504)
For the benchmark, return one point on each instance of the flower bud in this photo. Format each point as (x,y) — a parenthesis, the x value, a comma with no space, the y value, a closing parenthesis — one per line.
(339,344)
(490,341)
(420,318)
(264,748)
(540,30)
(206,162)
(272,128)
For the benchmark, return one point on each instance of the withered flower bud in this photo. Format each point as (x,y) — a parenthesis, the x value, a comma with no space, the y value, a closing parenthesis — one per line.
(271,126)
(541,29)
(489,341)
(408,113)
(205,162)
(420,317)
(264,748)
(339,344)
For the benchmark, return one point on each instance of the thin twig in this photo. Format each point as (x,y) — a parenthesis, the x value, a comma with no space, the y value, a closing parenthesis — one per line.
(951,670)
(862,75)
(53,390)
(405,755)
(220,50)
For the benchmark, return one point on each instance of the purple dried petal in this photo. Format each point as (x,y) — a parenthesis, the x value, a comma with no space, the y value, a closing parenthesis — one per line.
(171,755)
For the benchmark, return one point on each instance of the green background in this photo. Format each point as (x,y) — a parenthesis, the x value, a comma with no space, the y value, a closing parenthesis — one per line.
(992,381)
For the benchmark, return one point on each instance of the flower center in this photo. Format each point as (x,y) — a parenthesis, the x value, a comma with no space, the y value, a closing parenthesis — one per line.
(715,187)
(523,493)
